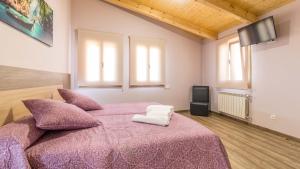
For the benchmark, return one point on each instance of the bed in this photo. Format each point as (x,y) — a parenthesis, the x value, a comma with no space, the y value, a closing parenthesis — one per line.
(119,143)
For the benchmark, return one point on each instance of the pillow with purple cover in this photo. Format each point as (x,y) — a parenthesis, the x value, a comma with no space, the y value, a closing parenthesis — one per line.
(82,101)
(57,115)
(15,137)
(12,154)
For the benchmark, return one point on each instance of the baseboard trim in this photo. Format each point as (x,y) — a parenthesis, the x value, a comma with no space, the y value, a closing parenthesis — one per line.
(288,137)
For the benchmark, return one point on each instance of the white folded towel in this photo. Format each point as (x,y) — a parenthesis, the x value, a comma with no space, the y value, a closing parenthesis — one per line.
(160,110)
(163,113)
(158,120)
(156,114)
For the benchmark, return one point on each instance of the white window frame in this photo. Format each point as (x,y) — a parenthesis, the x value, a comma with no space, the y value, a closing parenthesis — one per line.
(148,43)
(83,36)
(223,51)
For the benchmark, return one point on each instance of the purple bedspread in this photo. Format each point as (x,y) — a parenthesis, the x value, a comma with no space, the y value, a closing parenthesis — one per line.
(120,143)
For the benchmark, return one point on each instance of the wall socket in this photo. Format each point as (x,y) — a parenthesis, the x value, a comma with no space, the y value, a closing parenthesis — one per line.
(273,117)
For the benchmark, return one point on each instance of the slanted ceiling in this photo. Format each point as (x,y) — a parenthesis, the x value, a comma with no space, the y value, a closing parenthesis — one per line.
(204,18)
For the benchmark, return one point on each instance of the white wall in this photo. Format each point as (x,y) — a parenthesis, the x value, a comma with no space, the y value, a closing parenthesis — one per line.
(20,50)
(183,55)
(275,74)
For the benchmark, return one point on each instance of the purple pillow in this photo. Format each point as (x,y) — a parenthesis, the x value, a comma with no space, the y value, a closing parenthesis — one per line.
(56,115)
(15,137)
(12,155)
(23,131)
(79,100)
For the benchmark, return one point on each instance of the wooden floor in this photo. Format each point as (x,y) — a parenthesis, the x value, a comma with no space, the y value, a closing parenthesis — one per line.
(249,147)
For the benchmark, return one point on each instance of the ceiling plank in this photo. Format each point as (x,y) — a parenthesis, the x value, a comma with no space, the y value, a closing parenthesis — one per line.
(234,10)
(164,17)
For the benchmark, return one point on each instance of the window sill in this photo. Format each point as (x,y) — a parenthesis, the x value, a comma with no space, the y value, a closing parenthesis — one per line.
(147,86)
(235,91)
(100,86)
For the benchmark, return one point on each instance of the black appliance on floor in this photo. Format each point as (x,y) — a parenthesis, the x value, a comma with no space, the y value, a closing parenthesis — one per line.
(200,101)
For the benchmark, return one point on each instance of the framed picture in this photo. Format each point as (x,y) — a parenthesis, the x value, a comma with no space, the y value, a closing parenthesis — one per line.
(32,17)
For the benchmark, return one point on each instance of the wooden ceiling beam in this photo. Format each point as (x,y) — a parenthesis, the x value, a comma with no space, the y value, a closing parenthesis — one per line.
(163,17)
(232,9)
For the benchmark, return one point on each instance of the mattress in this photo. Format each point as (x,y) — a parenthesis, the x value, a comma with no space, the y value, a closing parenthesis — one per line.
(120,143)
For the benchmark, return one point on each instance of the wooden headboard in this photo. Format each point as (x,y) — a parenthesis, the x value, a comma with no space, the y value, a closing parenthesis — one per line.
(12,107)
(17,84)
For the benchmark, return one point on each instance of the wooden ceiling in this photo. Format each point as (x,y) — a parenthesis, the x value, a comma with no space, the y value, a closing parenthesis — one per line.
(204,18)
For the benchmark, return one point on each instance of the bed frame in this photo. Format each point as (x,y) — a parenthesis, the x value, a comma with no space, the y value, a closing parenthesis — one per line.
(17,84)
(12,107)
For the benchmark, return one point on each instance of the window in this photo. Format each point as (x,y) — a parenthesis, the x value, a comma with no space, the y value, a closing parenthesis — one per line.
(233,64)
(99,59)
(147,62)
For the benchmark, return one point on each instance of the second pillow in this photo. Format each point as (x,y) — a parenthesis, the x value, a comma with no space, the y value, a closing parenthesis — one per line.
(79,100)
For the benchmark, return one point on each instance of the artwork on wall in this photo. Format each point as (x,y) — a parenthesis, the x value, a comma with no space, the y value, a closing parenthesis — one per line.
(32,17)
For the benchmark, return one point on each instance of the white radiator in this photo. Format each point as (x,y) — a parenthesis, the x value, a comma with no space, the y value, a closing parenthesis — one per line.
(234,105)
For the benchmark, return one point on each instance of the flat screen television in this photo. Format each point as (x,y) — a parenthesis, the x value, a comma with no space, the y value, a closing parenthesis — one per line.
(258,32)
